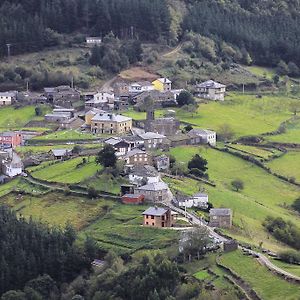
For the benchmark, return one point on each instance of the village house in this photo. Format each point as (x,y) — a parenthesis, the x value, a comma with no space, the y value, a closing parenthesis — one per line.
(199,200)
(110,123)
(60,115)
(93,40)
(31,98)
(139,87)
(161,99)
(162,84)
(12,166)
(211,90)
(143,174)
(206,136)
(155,192)
(158,217)
(220,217)
(179,139)
(7,98)
(137,157)
(121,89)
(153,140)
(132,199)
(63,96)
(91,114)
(101,100)
(121,146)
(61,154)
(161,162)
(10,139)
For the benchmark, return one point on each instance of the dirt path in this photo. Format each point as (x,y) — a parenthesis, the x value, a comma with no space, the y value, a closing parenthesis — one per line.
(174,51)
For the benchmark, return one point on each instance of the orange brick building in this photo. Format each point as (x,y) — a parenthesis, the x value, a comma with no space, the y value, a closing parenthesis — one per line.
(158,217)
(11,139)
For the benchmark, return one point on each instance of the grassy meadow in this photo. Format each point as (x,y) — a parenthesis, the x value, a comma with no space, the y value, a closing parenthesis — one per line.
(66,135)
(69,171)
(262,196)
(258,152)
(287,165)
(265,283)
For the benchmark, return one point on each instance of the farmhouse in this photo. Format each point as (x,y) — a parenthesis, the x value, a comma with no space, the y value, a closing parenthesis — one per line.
(141,175)
(101,100)
(61,153)
(138,87)
(110,124)
(132,199)
(91,114)
(158,217)
(153,140)
(10,139)
(211,90)
(63,95)
(121,89)
(137,157)
(199,200)
(7,98)
(206,136)
(220,217)
(161,162)
(162,84)
(60,115)
(161,99)
(155,192)
(121,147)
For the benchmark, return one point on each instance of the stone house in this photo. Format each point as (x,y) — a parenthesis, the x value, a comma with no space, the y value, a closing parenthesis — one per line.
(155,192)
(153,140)
(91,114)
(141,86)
(110,123)
(199,200)
(7,98)
(158,217)
(211,90)
(121,146)
(161,99)
(206,136)
(101,100)
(63,96)
(220,217)
(137,157)
(179,139)
(143,174)
(161,162)
(61,154)
(121,89)
(60,115)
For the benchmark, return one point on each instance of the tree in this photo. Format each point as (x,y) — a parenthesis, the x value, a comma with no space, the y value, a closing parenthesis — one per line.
(237,184)
(107,157)
(293,69)
(38,111)
(14,295)
(185,98)
(276,79)
(282,68)
(296,205)
(198,163)
(188,128)
(225,132)
(76,149)
(92,193)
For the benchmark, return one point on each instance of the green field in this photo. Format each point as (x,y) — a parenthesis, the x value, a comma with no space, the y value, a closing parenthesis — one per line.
(67,171)
(292,134)
(264,282)
(11,118)
(287,165)
(261,71)
(262,196)
(291,268)
(255,151)
(120,230)
(66,135)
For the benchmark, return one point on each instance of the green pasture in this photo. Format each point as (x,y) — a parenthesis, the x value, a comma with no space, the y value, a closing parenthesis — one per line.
(265,283)
(69,171)
(259,152)
(262,196)
(287,165)
(66,135)
(291,268)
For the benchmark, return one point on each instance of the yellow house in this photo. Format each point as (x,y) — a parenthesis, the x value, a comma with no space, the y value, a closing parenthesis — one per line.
(91,114)
(162,84)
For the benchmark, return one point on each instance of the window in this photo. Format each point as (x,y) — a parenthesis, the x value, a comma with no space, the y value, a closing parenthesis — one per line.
(147,223)
(147,216)
(152,217)
(163,218)
(152,224)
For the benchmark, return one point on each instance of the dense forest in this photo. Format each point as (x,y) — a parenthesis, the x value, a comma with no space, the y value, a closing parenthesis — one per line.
(268,30)
(29,249)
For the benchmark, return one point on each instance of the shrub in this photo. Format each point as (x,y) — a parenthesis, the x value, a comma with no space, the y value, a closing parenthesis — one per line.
(290,256)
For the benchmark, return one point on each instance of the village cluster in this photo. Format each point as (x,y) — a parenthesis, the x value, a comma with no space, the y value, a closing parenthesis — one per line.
(140,144)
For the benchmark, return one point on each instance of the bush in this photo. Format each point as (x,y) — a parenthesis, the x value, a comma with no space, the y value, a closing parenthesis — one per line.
(290,256)
(92,193)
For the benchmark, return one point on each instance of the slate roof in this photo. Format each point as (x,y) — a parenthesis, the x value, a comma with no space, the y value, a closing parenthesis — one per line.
(158,186)
(211,84)
(200,195)
(8,94)
(134,152)
(155,211)
(200,132)
(220,212)
(61,152)
(110,117)
(151,135)
(144,171)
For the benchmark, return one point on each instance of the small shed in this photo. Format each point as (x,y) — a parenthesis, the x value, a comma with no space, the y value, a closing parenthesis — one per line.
(133,199)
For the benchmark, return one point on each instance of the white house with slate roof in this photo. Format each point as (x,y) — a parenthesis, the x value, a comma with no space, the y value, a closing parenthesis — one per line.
(152,140)
(7,98)
(206,136)
(155,192)
(211,90)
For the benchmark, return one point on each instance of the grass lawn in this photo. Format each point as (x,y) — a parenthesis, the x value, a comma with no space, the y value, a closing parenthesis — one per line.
(287,165)
(261,71)
(120,230)
(57,209)
(293,269)
(262,196)
(67,135)
(292,134)
(265,283)
(68,171)
(255,151)
(13,119)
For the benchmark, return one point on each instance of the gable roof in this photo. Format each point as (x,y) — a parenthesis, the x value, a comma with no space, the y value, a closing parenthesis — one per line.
(61,152)
(151,135)
(155,211)
(134,152)
(196,131)
(220,212)
(158,186)
(110,117)
(211,84)
(164,80)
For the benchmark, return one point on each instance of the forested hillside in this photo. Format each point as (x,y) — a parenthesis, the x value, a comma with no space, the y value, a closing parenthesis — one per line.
(268,30)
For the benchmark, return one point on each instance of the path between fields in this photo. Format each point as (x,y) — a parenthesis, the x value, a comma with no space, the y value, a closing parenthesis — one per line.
(174,51)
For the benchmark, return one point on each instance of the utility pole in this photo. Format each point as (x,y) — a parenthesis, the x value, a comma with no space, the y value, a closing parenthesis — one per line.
(72,82)
(27,86)
(131,32)
(243,88)
(8,51)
